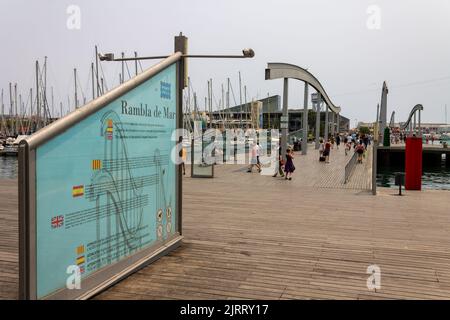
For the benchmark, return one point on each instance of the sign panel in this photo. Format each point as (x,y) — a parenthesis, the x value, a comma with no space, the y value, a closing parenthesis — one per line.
(284,125)
(284,118)
(106,188)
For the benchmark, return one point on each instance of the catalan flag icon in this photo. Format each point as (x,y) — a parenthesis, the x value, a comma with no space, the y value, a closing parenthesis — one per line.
(80,250)
(96,164)
(78,191)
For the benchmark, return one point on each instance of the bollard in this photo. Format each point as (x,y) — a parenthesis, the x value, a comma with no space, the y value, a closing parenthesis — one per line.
(399,181)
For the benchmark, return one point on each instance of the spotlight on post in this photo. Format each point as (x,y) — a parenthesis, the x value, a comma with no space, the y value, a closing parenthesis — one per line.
(248,53)
(106,57)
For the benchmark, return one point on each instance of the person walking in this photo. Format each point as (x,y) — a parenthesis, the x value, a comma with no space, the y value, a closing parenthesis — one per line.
(255,158)
(321,148)
(360,151)
(182,155)
(338,141)
(326,151)
(289,167)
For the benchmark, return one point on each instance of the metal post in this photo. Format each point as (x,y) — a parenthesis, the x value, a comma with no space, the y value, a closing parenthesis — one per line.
(374,165)
(420,127)
(305,120)
(338,124)
(326,123)
(333,119)
(284,130)
(317,121)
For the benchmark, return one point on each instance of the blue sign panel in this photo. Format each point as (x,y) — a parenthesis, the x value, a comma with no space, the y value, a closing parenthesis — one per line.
(106,187)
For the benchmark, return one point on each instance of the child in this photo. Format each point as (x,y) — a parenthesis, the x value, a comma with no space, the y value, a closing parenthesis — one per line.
(289,166)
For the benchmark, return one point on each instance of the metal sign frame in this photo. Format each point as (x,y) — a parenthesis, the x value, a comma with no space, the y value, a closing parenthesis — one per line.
(109,274)
(193,174)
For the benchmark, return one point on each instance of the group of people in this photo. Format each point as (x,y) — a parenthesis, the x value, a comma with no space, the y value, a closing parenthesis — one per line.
(285,168)
(359,142)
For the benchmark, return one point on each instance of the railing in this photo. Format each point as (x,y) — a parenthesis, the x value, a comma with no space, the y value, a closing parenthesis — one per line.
(350,166)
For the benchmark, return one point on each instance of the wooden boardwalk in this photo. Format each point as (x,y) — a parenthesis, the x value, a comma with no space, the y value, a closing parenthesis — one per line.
(317,174)
(257,237)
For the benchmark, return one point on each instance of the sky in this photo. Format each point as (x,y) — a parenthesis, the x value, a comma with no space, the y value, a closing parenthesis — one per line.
(351,46)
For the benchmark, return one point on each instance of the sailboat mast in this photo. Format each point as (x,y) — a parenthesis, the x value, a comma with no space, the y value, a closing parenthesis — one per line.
(223,106)
(16,114)
(53,104)
(228,98)
(135,64)
(122,80)
(3,112)
(11,107)
(96,71)
(45,92)
(38,109)
(210,104)
(92,79)
(75,81)
(240,98)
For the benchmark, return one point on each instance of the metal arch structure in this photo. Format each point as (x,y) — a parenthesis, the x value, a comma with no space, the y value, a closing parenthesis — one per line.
(383,109)
(417,108)
(392,121)
(278,70)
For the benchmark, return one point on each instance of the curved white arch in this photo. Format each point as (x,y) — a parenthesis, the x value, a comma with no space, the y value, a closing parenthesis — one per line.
(278,70)
(392,121)
(417,107)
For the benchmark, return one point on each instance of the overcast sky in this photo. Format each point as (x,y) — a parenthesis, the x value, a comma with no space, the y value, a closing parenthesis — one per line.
(345,44)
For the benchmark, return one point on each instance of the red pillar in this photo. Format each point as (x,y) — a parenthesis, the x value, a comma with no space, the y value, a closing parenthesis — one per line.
(413,163)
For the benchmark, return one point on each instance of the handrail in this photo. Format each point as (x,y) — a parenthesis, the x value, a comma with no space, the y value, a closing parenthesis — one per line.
(350,166)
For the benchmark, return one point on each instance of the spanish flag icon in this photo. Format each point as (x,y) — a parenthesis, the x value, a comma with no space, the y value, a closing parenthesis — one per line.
(78,191)
(80,260)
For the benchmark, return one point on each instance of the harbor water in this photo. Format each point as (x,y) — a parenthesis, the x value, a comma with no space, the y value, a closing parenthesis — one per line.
(433,177)
(8,167)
